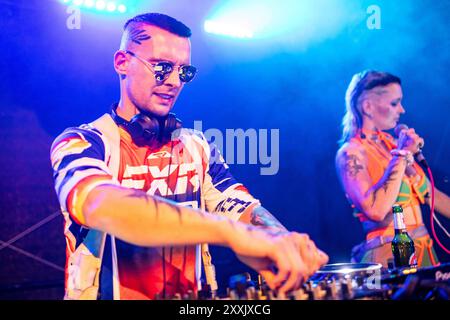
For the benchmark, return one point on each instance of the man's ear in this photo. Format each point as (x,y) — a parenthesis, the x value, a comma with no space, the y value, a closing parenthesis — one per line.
(121,63)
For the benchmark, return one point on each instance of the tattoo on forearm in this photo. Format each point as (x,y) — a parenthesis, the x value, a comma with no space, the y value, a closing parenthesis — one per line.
(178,210)
(385,185)
(391,177)
(374,197)
(139,194)
(137,36)
(352,165)
(142,195)
(262,217)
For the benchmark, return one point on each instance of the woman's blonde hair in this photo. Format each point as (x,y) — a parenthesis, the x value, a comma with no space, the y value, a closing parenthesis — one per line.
(362,81)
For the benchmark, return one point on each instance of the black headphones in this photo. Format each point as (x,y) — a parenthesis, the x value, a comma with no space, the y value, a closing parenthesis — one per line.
(146,129)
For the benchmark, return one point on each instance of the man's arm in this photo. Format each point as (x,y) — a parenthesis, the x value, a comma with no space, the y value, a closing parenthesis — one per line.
(144,220)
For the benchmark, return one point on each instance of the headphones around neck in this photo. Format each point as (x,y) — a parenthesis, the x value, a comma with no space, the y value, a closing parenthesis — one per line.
(146,129)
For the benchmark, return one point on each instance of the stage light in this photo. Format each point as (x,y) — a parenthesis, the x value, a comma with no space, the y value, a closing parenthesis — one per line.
(89,3)
(100,5)
(288,21)
(111,6)
(121,8)
(227,29)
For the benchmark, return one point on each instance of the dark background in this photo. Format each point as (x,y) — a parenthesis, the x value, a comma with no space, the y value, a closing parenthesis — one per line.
(291,79)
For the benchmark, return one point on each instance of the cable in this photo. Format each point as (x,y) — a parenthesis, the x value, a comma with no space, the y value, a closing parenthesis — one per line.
(441,226)
(432,213)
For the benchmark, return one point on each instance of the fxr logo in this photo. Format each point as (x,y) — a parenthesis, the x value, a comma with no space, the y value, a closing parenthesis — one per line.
(186,175)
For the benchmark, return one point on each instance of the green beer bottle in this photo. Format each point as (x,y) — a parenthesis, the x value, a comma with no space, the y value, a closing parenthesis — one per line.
(402,244)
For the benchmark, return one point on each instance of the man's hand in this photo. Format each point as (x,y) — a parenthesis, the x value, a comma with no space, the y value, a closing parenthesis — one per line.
(294,256)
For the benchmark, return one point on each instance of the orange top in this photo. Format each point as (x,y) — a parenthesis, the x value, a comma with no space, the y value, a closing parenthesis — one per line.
(412,190)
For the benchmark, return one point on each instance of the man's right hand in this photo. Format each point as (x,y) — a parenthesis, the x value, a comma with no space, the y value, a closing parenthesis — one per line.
(294,256)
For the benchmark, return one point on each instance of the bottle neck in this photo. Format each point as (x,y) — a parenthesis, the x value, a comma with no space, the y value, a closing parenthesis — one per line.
(399,223)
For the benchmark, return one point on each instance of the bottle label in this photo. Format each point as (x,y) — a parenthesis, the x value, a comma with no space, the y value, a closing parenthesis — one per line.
(413,260)
(399,223)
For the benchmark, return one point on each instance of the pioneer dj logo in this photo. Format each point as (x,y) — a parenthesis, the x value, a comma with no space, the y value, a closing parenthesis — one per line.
(442,276)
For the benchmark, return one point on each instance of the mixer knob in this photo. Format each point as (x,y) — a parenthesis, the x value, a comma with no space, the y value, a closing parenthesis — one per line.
(233,295)
(347,289)
(334,295)
(318,293)
(300,295)
(281,296)
(250,293)
(177,296)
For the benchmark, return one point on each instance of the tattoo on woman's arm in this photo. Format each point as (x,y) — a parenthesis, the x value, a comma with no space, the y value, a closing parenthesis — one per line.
(352,165)
(385,185)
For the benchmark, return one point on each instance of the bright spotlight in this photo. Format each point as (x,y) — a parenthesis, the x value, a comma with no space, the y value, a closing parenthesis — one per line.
(111,6)
(227,29)
(289,21)
(89,3)
(100,5)
(121,8)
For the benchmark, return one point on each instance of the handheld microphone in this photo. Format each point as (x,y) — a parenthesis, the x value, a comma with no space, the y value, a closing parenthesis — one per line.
(418,155)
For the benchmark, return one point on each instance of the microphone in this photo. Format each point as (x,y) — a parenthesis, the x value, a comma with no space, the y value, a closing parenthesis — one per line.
(418,155)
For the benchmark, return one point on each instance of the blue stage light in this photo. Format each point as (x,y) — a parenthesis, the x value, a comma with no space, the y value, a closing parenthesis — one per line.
(121,8)
(103,7)
(288,21)
(111,6)
(89,3)
(227,29)
(100,5)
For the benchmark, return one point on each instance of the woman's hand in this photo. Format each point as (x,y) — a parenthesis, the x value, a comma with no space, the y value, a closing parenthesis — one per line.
(409,140)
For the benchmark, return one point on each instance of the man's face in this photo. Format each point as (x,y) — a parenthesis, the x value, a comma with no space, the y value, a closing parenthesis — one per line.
(143,90)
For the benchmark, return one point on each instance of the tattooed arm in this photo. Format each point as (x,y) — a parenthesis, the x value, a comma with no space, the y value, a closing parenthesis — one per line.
(375,199)
(259,216)
(144,220)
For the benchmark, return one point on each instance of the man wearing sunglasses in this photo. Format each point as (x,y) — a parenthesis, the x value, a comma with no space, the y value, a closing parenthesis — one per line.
(134,187)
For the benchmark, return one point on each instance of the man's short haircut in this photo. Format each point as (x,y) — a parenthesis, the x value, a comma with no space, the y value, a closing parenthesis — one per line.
(162,21)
